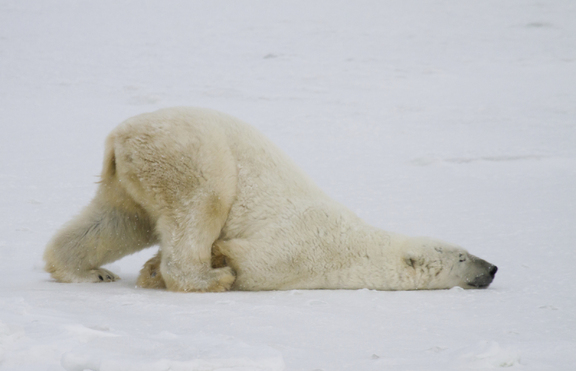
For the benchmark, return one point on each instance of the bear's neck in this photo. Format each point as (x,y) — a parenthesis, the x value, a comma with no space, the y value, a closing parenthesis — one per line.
(373,257)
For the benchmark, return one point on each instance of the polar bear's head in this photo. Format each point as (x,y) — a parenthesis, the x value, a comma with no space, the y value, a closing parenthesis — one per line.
(436,264)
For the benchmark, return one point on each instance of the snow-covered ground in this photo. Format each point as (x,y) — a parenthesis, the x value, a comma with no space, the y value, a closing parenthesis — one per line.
(453,119)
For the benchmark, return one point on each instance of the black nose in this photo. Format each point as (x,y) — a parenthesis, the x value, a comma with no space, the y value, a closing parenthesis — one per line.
(493,271)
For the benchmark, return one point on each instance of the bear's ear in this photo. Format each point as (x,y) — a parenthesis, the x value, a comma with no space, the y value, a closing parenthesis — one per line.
(413,260)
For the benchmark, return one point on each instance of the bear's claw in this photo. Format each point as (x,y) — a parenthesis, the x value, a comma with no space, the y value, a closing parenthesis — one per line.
(101,275)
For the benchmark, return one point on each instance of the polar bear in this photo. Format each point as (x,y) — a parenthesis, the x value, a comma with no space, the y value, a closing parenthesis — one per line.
(230,211)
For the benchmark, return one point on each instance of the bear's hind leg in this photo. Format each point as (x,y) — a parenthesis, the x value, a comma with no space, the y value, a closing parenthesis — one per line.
(185,175)
(109,228)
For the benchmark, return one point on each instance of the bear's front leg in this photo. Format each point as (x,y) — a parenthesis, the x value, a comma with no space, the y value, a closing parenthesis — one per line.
(186,245)
(196,279)
(151,278)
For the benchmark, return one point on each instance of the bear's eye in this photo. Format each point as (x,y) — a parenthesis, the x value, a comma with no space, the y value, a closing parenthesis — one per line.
(462,258)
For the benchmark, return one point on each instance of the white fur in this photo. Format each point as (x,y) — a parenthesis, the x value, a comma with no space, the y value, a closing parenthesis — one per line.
(203,184)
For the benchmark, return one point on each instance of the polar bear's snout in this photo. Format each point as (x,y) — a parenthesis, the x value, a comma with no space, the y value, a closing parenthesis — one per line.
(493,271)
(485,275)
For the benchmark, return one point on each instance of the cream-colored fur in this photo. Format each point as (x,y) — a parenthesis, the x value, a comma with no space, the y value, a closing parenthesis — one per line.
(231,211)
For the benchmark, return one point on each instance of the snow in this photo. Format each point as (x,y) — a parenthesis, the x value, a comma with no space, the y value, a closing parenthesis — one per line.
(443,118)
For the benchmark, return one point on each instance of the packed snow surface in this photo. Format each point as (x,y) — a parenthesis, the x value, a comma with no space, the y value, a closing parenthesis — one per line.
(451,119)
